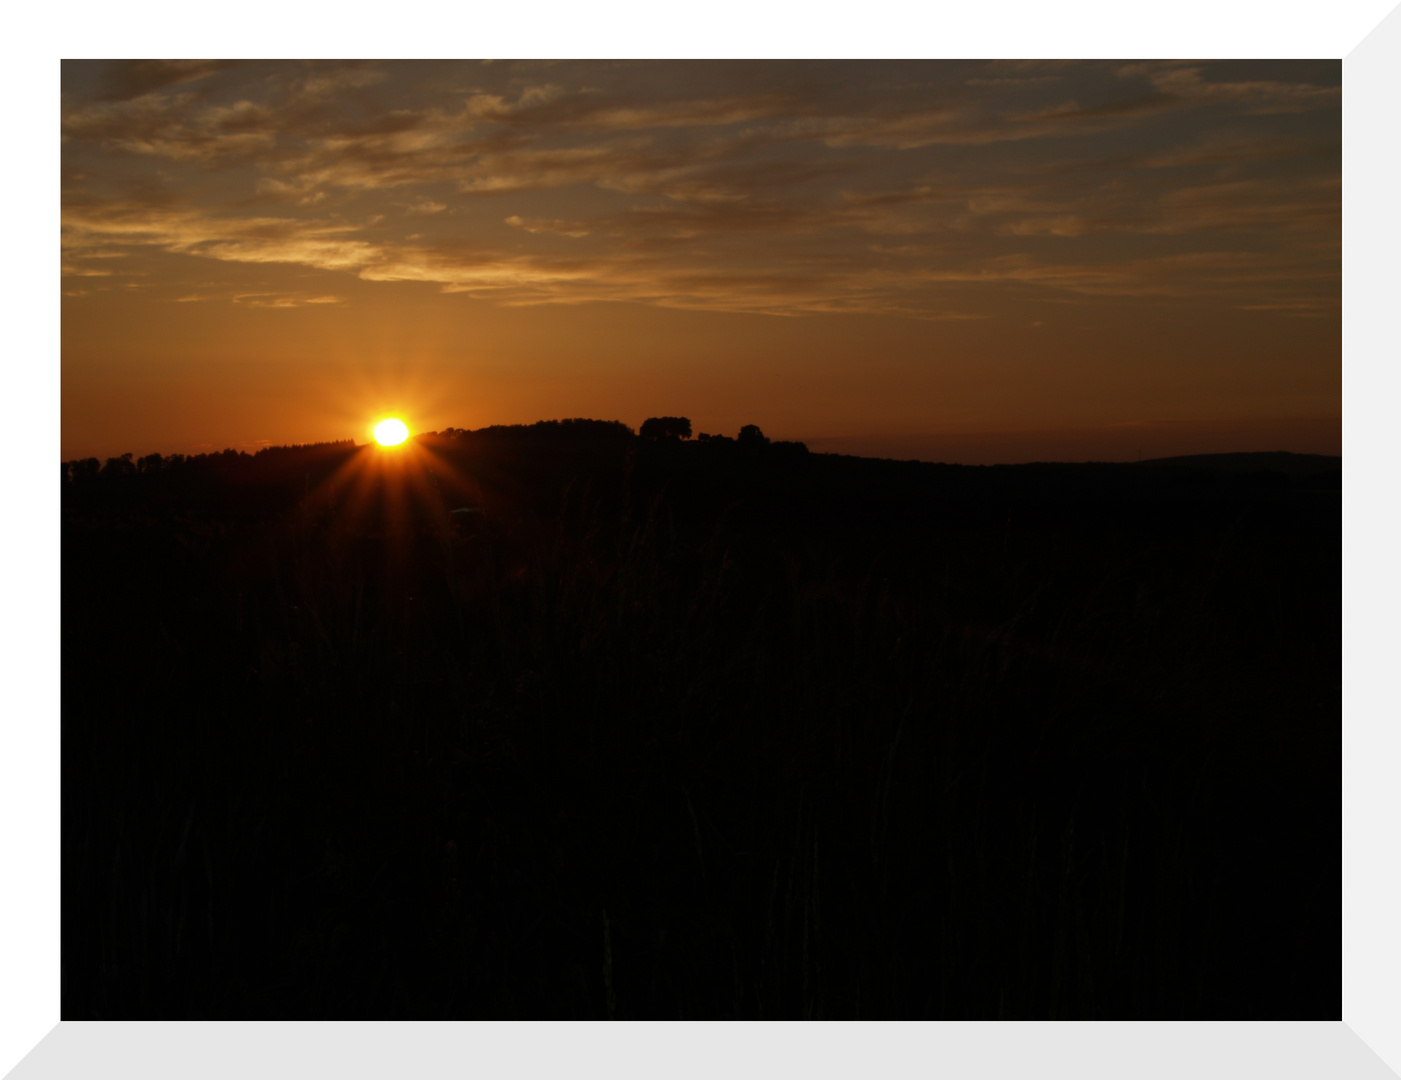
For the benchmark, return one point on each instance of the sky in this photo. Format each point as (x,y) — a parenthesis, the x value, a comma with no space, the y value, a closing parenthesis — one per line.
(959,261)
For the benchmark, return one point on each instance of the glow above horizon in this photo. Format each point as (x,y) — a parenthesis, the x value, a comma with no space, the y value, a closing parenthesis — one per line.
(948,259)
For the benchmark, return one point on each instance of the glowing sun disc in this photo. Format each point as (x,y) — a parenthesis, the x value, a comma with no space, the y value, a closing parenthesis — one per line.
(391,432)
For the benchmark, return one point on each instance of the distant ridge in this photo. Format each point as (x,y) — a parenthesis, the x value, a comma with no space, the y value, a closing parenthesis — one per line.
(1294,466)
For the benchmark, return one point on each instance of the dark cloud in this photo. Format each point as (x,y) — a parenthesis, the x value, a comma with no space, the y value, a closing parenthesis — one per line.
(913,188)
(1254,95)
(127,79)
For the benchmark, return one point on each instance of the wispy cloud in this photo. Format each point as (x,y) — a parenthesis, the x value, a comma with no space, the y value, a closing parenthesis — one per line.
(282,300)
(127,79)
(537,225)
(1254,95)
(180,128)
(323,245)
(1251,205)
(917,189)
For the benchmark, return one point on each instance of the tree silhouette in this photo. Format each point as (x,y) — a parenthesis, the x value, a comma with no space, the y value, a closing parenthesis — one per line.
(666,427)
(119,466)
(750,435)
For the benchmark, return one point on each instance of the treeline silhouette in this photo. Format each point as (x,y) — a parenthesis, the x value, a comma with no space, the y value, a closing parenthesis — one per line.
(563,720)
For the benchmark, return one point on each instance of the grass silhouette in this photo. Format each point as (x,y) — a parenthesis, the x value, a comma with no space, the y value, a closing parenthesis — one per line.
(699,730)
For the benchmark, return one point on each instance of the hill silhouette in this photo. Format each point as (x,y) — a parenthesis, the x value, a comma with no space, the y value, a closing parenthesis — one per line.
(1295,466)
(530,464)
(561,720)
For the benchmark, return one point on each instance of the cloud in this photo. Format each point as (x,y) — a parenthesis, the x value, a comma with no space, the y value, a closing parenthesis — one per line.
(323,84)
(1251,278)
(1255,95)
(280,300)
(319,244)
(554,107)
(1057,225)
(1225,148)
(912,279)
(682,114)
(492,143)
(259,299)
(1251,205)
(537,225)
(211,123)
(176,127)
(1301,308)
(967,125)
(922,189)
(127,79)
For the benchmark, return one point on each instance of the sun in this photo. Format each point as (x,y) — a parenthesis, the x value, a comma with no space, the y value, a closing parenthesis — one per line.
(391,432)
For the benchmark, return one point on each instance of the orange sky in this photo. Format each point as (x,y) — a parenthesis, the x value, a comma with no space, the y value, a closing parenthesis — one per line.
(952,261)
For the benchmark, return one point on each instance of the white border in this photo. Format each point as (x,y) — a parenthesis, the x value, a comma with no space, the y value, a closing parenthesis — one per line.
(889,1051)
(29,650)
(1371,743)
(29,641)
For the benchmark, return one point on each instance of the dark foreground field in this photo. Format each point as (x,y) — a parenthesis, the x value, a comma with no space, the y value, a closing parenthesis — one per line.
(666,729)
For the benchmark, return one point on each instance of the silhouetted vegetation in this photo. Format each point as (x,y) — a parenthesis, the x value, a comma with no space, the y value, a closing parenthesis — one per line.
(665,427)
(750,435)
(556,720)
